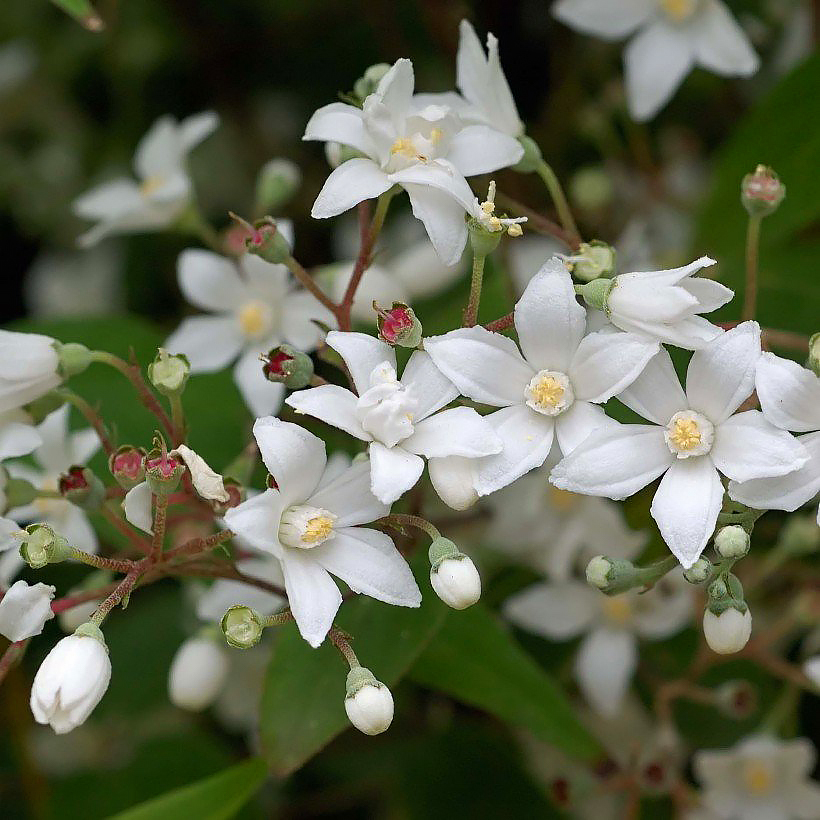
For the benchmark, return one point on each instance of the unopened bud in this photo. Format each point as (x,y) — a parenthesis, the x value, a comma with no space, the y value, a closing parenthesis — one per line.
(197,674)
(287,365)
(73,358)
(737,699)
(732,541)
(699,572)
(729,631)
(399,325)
(265,240)
(482,241)
(41,546)
(596,293)
(593,260)
(369,81)
(169,372)
(368,702)
(242,627)
(163,471)
(718,589)
(127,465)
(597,572)
(82,488)
(453,575)
(532,156)
(277,182)
(762,192)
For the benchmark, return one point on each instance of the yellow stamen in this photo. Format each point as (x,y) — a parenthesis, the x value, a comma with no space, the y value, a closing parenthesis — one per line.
(548,392)
(317,529)
(403,145)
(679,10)
(253,318)
(618,609)
(685,434)
(487,207)
(515,230)
(758,778)
(435,135)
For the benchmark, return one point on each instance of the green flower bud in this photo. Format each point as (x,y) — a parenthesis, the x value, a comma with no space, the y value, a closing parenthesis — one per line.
(266,241)
(73,358)
(718,589)
(17,491)
(596,293)
(169,372)
(82,488)
(591,188)
(242,627)
(287,365)
(592,260)
(732,541)
(441,549)
(41,546)
(127,465)
(399,325)
(277,182)
(163,471)
(699,572)
(532,156)
(482,241)
(597,571)
(762,192)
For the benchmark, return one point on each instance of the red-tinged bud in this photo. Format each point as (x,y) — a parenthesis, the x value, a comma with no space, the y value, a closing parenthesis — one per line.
(264,239)
(163,471)
(127,465)
(399,325)
(287,365)
(762,192)
(81,487)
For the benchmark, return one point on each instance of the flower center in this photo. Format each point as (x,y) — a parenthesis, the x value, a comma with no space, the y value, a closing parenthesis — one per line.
(387,409)
(304,527)
(152,184)
(758,778)
(549,392)
(617,609)
(255,319)
(49,506)
(679,10)
(689,434)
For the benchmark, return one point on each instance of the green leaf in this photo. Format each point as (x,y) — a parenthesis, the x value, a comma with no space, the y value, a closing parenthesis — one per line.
(476,660)
(783,131)
(303,701)
(83,12)
(215,798)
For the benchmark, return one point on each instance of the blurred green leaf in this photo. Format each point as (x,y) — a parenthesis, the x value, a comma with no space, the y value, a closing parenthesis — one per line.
(215,798)
(476,660)
(83,12)
(781,132)
(303,701)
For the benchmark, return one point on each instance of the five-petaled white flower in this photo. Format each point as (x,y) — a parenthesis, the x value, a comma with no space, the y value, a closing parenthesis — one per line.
(674,37)
(164,188)
(693,435)
(256,306)
(28,368)
(313,527)
(761,778)
(553,389)
(790,398)
(24,610)
(426,149)
(398,417)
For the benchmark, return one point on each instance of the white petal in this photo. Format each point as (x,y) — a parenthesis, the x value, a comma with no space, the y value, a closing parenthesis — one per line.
(579,422)
(720,43)
(443,219)
(604,665)
(396,87)
(257,520)
(160,151)
(431,389)
(348,185)
(17,439)
(527,438)
(419,270)
(710,294)
(369,563)
(137,507)
(453,479)
(262,397)
(789,394)
(603,18)
(82,445)
(109,200)
(195,129)
(548,318)
(299,309)
(721,376)
(349,498)
(53,453)
(614,462)
(210,342)
(606,363)
(459,431)
(209,281)
(294,457)
(555,611)
(73,523)
(265,281)
(656,394)
(332,404)
(656,61)
(484,366)
(393,471)
(313,596)
(207,483)
(747,446)
(480,149)
(362,354)
(686,506)
(339,122)
(24,610)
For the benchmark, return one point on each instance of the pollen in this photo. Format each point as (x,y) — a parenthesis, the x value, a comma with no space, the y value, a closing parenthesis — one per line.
(547,392)
(254,319)
(758,778)
(317,529)
(435,135)
(404,146)
(685,434)
(679,10)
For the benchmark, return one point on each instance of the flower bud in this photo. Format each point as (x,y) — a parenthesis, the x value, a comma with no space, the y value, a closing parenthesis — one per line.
(456,581)
(267,241)
(288,366)
(163,471)
(597,572)
(699,572)
(399,325)
(737,699)
(82,488)
(762,192)
(73,358)
(368,702)
(207,482)
(453,480)
(369,81)
(242,627)
(596,293)
(41,546)
(482,241)
(813,362)
(593,260)
(169,372)
(732,541)
(127,465)
(729,631)
(277,182)
(532,156)
(718,589)
(197,674)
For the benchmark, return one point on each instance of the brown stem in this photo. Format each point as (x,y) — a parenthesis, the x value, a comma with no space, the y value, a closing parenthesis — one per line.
(539,222)
(90,415)
(14,652)
(160,517)
(140,543)
(198,545)
(309,283)
(121,591)
(341,640)
(503,323)
(70,601)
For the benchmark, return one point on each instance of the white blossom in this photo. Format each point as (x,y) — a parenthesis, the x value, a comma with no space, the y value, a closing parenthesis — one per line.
(313,528)
(206,482)
(28,368)
(693,435)
(18,436)
(198,672)
(457,582)
(24,610)
(550,392)
(673,36)
(163,189)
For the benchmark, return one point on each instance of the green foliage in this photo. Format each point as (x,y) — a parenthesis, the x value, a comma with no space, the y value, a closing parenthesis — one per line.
(82,11)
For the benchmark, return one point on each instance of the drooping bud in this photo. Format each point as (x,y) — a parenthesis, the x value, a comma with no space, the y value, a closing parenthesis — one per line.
(368,702)
(277,182)
(369,81)
(265,240)
(699,572)
(762,191)
(81,487)
(727,632)
(41,546)
(596,293)
(242,627)
(73,358)
(732,541)
(532,156)
(813,362)
(288,366)
(127,465)
(737,699)
(593,260)
(169,372)
(399,325)
(207,482)
(453,575)
(163,471)
(197,674)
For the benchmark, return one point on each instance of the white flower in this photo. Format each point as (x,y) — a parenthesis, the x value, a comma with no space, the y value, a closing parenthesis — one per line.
(206,482)
(70,682)
(164,188)
(426,149)
(312,527)
(398,417)
(608,654)
(25,609)
(760,778)
(28,368)
(255,307)
(552,390)
(457,582)
(728,632)
(790,398)
(370,708)
(137,506)
(197,674)
(665,304)
(692,436)
(60,450)
(17,436)
(10,561)
(674,36)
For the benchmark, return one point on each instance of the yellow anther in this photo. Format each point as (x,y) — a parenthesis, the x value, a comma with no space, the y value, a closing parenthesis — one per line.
(685,434)
(494,223)
(317,529)
(487,207)
(548,392)
(515,230)
(435,135)
(403,145)
(758,778)
(253,318)
(679,10)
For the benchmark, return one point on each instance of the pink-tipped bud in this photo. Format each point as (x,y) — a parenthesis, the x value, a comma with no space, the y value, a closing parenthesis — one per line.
(263,239)
(287,365)
(81,487)
(127,465)
(762,192)
(399,325)
(163,471)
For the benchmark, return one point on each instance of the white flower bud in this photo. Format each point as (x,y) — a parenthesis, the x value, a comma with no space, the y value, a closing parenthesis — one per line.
(28,368)
(456,581)
(197,674)
(728,632)
(699,572)
(71,680)
(732,541)
(25,609)
(452,478)
(368,702)
(597,571)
